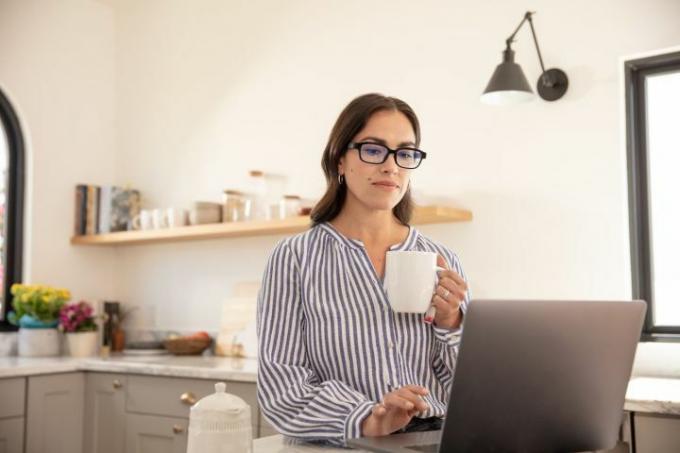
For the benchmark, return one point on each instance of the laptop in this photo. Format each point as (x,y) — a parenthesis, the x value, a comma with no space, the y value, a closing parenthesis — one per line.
(534,376)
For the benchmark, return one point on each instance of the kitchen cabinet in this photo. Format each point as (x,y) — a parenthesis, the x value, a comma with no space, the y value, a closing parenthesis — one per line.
(54,413)
(135,413)
(104,413)
(12,434)
(12,402)
(656,433)
(154,434)
(265,428)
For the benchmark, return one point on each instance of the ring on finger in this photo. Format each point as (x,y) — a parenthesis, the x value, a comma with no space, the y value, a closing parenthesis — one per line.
(446,293)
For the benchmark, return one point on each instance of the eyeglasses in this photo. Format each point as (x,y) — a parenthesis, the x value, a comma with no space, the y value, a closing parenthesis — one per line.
(375,153)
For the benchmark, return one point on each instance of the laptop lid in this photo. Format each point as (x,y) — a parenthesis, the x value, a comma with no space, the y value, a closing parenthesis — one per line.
(540,376)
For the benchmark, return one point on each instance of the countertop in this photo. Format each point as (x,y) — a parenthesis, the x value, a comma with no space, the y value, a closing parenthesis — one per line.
(199,367)
(653,388)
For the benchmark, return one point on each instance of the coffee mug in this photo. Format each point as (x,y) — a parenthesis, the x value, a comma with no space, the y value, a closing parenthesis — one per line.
(410,280)
(143,220)
(175,217)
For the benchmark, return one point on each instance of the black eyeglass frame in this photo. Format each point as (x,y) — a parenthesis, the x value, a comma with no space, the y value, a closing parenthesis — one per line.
(357,146)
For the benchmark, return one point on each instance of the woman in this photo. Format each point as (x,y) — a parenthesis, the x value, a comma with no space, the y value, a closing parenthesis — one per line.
(335,362)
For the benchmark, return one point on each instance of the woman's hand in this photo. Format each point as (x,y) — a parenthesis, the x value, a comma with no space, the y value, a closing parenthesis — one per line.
(395,411)
(448,296)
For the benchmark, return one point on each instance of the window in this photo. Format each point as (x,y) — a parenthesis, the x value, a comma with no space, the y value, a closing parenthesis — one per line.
(11,204)
(652,87)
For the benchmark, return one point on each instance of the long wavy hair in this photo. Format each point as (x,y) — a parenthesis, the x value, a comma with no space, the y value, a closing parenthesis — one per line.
(350,122)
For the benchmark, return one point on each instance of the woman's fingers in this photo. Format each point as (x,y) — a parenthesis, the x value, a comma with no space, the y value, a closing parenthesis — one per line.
(405,399)
(379,410)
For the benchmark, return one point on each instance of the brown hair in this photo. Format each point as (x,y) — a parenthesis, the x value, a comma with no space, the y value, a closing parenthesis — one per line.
(352,120)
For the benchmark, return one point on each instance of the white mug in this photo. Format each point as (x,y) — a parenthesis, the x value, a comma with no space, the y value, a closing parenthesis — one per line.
(175,217)
(158,219)
(143,220)
(410,280)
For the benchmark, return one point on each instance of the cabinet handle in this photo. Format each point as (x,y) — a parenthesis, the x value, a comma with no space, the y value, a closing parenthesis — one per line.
(177,429)
(117,384)
(188,398)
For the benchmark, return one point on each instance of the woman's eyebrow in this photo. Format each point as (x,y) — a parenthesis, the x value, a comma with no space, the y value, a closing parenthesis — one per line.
(382,142)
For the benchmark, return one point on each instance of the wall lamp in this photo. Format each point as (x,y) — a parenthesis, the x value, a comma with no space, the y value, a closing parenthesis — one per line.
(508,85)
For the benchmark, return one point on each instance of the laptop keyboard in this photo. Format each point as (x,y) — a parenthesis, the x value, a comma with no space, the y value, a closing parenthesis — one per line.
(431,448)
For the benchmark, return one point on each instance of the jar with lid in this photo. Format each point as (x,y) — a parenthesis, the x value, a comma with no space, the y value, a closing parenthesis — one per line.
(220,423)
(289,206)
(258,198)
(234,206)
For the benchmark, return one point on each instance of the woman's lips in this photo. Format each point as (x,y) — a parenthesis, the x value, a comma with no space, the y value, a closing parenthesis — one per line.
(386,185)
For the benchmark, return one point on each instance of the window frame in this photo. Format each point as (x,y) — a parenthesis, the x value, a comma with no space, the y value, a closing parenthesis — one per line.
(635,72)
(14,213)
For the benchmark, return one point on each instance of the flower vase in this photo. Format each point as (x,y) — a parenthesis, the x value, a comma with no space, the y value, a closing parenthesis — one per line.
(38,338)
(82,344)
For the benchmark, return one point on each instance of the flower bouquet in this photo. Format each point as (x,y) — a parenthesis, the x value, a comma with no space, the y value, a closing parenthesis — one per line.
(78,322)
(36,312)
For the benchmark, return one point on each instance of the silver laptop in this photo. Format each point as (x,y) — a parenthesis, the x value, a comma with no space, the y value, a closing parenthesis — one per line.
(534,376)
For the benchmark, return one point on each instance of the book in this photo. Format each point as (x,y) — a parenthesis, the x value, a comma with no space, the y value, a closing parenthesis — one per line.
(104,209)
(125,205)
(80,209)
(90,210)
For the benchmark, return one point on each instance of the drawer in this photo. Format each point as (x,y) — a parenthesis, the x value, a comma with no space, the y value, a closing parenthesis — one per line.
(163,395)
(12,397)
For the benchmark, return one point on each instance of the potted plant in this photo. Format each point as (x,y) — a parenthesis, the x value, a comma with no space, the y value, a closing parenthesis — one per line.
(36,312)
(78,323)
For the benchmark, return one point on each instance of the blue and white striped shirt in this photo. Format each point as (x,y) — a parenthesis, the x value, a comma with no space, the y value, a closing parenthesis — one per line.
(330,346)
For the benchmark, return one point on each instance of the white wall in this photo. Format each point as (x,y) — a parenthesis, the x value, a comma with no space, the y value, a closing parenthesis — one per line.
(198,93)
(207,93)
(57,68)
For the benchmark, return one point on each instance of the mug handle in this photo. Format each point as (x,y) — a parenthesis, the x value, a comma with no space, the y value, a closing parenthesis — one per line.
(136,222)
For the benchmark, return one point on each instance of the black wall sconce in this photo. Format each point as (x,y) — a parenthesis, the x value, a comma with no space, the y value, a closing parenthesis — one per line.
(508,85)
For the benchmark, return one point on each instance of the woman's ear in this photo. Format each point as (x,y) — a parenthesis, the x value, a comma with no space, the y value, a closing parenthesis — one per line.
(341,166)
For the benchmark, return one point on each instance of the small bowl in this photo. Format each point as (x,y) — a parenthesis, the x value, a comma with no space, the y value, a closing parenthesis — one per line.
(187,346)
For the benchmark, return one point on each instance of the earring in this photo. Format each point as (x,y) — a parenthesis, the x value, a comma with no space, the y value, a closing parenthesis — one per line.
(341,179)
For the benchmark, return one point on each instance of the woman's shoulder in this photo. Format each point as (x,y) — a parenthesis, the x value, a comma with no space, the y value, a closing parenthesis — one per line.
(300,243)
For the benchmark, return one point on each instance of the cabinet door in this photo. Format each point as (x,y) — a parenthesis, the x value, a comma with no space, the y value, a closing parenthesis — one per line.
(154,434)
(12,435)
(104,413)
(12,397)
(656,433)
(54,413)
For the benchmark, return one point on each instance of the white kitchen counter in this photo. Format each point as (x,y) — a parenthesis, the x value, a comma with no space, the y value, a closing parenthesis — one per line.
(657,394)
(200,367)
(652,394)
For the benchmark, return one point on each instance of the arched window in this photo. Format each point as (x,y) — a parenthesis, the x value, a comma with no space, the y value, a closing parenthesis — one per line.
(11,204)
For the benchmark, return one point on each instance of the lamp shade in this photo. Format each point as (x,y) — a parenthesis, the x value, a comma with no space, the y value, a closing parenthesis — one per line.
(508,85)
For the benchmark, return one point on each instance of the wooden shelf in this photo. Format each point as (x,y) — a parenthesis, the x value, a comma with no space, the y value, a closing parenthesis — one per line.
(422,215)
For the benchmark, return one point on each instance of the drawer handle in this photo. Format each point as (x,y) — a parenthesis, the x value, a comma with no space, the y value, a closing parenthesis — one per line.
(188,398)
(117,384)
(177,429)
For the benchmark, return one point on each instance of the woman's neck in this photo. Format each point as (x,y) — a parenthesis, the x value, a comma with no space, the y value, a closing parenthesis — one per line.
(370,226)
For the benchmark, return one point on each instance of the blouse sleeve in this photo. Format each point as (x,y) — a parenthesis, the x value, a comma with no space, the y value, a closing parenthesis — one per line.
(449,339)
(291,395)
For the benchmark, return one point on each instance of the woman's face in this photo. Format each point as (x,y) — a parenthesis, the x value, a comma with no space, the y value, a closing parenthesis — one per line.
(379,186)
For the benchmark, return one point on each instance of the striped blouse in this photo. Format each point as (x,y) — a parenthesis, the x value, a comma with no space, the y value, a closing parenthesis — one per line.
(330,346)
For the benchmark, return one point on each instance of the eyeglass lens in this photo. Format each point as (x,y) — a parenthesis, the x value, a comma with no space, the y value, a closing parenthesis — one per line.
(376,154)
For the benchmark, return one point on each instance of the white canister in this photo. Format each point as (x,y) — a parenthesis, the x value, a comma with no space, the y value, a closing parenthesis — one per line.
(220,423)
(38,342)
